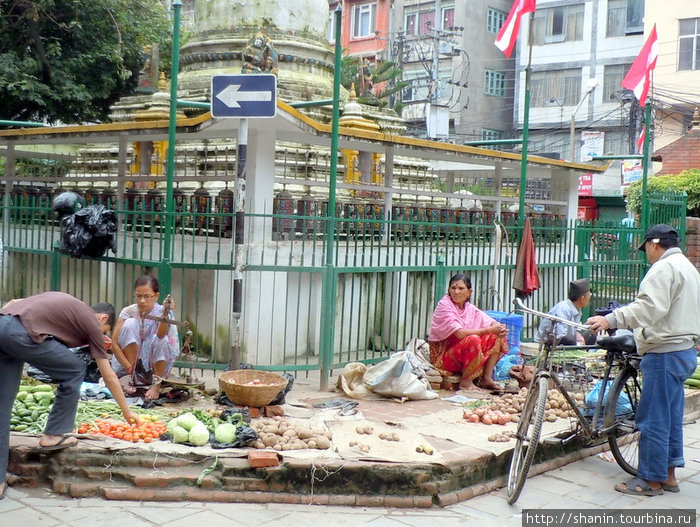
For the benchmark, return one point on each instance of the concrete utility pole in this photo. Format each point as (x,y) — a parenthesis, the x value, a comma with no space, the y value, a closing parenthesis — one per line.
(590,86)
(437,27)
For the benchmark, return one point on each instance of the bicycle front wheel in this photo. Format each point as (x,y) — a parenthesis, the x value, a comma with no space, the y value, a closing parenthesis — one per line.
(619,419)
(527,437)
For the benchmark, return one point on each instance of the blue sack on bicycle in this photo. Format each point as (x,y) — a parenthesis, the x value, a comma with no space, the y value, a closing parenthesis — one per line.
(591,400)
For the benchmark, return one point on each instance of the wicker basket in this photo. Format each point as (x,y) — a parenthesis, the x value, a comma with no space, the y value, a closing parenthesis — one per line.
(235,385)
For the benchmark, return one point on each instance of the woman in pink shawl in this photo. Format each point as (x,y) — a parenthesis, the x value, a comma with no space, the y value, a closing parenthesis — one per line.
(465,340)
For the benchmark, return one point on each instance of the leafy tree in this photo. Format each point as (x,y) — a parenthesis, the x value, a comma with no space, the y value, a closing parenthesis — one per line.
(69,60)
(382,72)
(687,181)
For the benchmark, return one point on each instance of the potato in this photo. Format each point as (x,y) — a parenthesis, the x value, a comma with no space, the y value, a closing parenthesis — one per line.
(290,433)
(311,443)
(305,433)
(323,442)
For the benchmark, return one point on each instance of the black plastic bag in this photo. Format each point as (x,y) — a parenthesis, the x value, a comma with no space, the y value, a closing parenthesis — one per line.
(89,232)
(280,397)
(245,435)
(92,372)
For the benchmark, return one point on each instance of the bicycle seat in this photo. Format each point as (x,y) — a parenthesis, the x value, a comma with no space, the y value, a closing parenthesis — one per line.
(623,342)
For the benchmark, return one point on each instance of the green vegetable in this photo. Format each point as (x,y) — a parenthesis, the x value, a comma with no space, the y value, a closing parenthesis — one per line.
(207,471)
(180,435)
(199,435)
(225,433)
(187,421)
(42,388)
(694,383)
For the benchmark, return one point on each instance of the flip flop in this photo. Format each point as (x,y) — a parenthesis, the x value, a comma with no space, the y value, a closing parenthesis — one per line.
(670,488)
(4,491)
(58,446)
(631,488)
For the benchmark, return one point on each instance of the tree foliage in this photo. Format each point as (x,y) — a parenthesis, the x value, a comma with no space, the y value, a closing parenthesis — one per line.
(69,60)
(386,72)
(687,181)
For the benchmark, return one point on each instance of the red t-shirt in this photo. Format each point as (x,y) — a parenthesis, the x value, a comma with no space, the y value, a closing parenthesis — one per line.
(61,316)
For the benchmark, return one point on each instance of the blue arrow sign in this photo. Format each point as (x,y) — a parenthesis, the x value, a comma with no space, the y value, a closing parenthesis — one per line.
(252,95)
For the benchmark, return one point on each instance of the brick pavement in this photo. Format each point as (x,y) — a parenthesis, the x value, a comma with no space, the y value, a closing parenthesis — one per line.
(585,484)
(468,471)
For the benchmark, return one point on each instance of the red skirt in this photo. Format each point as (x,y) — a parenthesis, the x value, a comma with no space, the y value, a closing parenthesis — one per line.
(467,356)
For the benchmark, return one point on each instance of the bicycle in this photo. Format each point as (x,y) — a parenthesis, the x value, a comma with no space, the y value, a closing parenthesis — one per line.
(616,405)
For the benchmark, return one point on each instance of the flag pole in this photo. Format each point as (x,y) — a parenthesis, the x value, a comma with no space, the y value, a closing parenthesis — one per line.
(526,133)
(645,166)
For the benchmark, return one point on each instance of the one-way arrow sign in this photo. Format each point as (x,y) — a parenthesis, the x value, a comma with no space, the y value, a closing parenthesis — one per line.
(244,95)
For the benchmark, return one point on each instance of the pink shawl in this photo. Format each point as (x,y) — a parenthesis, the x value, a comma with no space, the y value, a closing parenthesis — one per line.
(448,318)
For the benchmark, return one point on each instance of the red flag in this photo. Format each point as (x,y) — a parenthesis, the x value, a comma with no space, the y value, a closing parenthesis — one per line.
(638,77)
(640,140)
(508,34)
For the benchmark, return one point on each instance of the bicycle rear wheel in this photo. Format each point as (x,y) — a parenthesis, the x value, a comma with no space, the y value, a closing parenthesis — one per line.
(527,437)
(619,419)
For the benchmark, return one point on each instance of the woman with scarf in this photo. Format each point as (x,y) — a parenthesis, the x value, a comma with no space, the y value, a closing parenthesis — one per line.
(465,340)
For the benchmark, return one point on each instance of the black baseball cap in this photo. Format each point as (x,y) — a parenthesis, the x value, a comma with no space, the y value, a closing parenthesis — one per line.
(659,232)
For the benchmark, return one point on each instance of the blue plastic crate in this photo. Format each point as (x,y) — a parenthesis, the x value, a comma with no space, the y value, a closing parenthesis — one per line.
(513,322)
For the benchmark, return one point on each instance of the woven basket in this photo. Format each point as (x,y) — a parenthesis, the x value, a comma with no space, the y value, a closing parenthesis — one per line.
(235,385)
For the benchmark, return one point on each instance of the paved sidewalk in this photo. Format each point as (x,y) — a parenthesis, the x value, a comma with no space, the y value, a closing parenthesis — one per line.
(585,484)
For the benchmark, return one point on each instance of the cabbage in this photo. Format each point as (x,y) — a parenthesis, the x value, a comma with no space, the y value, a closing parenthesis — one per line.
(171,424)
(187,421)
(225,433)
(199,435)
(180,435)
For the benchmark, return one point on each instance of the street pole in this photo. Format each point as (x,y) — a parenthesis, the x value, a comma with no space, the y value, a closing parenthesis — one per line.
(645,167)
(165,274)
(526,134)
(239,240)
(328,293)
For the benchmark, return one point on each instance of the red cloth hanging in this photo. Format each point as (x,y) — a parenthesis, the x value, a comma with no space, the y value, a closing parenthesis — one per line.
(526,279)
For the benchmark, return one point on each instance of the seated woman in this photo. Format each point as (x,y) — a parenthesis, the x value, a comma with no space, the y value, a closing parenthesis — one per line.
(464,339)
(145,349)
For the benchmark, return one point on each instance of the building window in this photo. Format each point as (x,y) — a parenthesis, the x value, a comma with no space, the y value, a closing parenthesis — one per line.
(495,20)
(331,27)
(625,17)
(487,134)
(556,86)
(495,83)
(612,80)
(420,20)
(364,19)
(689,44)
(558,24)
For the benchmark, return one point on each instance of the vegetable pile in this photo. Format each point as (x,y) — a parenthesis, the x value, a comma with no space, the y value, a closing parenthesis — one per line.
(186,428)
(30,409)
(148,431)
(279,434)
(507,408)
(694,380)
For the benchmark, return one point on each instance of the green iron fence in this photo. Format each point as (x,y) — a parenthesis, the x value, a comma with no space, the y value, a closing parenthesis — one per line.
(388,272)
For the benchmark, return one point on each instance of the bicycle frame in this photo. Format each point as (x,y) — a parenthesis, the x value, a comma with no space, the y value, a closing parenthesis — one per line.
(593,429)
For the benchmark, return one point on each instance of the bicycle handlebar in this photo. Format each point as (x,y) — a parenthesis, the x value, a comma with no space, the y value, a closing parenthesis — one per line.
(519,304)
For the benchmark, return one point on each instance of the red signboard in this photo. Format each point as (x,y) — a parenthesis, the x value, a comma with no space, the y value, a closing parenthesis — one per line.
(585,185)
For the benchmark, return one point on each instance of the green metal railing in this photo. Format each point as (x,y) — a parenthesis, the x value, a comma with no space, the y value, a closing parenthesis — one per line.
(386,274)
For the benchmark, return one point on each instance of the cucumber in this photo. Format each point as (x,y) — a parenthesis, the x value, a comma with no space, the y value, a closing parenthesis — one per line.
(42,388)
(695,383)
(19,428)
